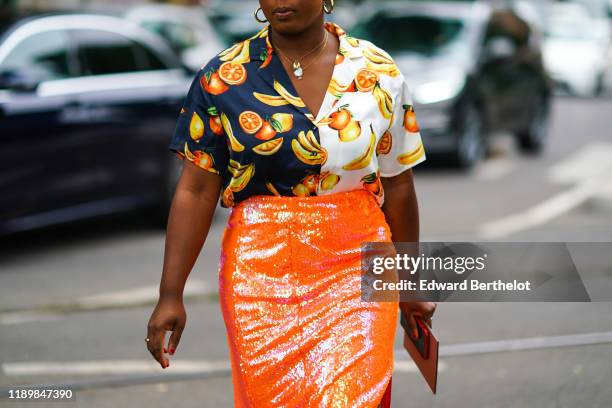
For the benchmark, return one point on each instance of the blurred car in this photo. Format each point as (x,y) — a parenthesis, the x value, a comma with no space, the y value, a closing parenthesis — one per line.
(87,106)
(234,20)
(186,29)
(474,70)
(576,49)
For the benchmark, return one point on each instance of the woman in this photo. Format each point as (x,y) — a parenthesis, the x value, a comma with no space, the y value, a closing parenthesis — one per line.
(308,135)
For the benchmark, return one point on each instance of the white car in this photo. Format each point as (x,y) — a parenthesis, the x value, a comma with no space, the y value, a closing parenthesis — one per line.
(186,29)
(576,49)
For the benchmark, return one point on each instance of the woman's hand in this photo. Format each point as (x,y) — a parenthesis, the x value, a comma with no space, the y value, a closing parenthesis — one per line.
(191,213)
(423,309)
(169,314)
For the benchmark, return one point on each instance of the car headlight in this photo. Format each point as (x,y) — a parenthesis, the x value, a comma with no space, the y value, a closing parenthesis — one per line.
(438,91)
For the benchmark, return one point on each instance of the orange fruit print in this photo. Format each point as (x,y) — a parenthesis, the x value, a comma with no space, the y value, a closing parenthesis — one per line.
(385,143)
(366,79)
(340,118)
(250,121)
(232,73)
(212,84)
(214,121)
(266,132)
(410,122)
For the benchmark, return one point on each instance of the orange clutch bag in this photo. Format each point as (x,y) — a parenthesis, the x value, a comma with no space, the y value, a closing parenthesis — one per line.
(423,350)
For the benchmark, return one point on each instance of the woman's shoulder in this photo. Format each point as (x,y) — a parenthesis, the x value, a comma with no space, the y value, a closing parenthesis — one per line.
(238,52)
(223,55)
(213,76)
(374,57)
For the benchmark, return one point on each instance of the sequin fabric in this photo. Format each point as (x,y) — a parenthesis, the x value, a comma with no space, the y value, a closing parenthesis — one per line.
(289,284)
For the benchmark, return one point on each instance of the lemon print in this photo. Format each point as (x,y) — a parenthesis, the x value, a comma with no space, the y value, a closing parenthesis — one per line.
(364,159)
(300,190)
(329,181)
(196,127)
(282,122)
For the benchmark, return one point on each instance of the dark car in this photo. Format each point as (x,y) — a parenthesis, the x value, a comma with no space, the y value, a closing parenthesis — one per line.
(473,71)
(87,105)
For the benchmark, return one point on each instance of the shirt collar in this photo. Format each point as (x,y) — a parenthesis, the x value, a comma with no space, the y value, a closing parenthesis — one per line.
(261,48)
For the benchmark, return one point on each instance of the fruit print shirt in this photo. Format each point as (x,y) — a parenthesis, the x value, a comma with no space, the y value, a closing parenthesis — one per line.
(243,119)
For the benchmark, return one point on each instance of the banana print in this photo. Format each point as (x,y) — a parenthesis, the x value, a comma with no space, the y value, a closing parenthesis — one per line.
(241,177)
(308,150)
(243,113)
(380,61)
(294,100)
(384,101)
(362,161)
(337,89)
(271,100)
(235,144)
(238,53)
(411,157)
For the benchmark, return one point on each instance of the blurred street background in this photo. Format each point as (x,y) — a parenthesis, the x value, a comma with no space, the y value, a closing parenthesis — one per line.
(514,101)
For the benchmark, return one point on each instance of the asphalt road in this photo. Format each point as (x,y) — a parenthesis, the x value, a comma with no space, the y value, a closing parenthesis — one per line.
(75,300)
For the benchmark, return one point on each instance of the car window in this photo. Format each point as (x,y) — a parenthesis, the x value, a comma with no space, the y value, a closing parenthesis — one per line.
(179,36)
(148,59)
(104,52)
(40,57)
(421,34)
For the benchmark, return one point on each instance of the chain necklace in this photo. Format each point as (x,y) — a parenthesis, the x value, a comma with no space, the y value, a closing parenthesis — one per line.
(298,69)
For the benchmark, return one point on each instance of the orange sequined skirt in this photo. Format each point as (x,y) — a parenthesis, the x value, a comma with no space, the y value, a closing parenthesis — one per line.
(299,334)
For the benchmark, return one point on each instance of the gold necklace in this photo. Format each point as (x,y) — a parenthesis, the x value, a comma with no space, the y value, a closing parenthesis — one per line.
(298,69)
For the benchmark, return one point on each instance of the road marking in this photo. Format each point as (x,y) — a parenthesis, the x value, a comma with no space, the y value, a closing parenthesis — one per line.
(589,170)
(591,161)
(111,367)
(542,213)
(137,296)
(117,299)
(494,169)
(529,343)
(26,317)
(403,363)
(408,366)
(118,367)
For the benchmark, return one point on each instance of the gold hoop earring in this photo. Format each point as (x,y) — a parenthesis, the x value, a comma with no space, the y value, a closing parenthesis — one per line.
(328,9)
(257,17)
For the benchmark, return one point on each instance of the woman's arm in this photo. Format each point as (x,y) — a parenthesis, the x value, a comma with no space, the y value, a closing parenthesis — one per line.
(402,213)
(191,213)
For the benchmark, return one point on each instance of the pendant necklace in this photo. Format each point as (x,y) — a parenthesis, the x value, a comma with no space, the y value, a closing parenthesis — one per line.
(298,69)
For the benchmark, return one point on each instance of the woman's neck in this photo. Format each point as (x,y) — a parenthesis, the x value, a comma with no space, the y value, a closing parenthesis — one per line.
(297,44)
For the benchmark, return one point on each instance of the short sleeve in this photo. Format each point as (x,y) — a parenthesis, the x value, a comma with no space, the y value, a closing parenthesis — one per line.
(198,134)
(403,145)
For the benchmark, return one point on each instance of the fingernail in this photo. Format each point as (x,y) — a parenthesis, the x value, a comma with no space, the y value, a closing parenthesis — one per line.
(172,350)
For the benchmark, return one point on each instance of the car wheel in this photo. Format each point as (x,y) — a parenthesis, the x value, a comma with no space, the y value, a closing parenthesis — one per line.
(471,140)
(533,139)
